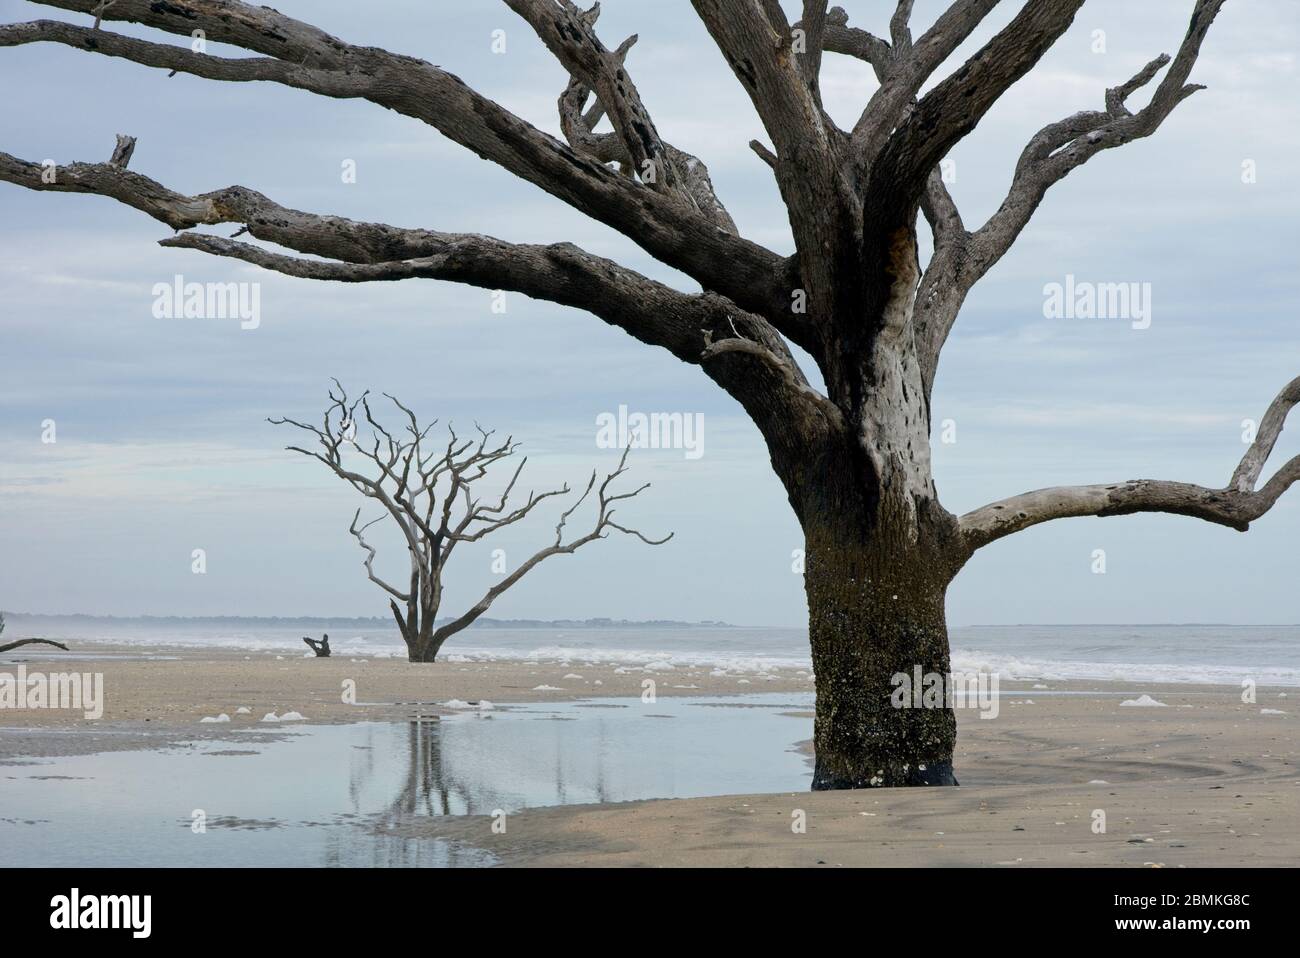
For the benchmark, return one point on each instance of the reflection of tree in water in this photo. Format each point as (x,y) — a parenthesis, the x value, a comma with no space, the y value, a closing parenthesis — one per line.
(426,790)
(426,787)
(449,768)
(366,848)
(602,740)
(452,771)
(362,770)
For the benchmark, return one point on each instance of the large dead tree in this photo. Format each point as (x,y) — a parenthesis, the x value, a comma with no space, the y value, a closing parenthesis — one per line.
(428,491)
(881,549)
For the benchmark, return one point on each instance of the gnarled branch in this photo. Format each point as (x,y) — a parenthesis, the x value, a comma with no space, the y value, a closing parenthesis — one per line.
(604,522)
(586,58)
(374,252)
(908,67)
(757,42)
(299,55)
(957,104)
(1061,147)
(1236,505)
(1049,157)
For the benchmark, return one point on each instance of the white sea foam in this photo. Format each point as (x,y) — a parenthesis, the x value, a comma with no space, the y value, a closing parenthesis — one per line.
(1193,655)
(1144,701)
(1015,668)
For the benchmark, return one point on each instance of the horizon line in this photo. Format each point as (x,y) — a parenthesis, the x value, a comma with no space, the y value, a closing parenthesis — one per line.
(703,622)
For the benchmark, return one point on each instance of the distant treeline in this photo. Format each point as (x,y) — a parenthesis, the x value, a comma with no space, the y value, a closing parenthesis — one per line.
(362,622)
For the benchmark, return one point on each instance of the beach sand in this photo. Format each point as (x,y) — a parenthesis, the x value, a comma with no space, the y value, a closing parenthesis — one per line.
(1214,784)
(1206,780)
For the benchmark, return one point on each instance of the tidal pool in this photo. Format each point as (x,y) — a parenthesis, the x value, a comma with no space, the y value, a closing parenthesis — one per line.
(325,794)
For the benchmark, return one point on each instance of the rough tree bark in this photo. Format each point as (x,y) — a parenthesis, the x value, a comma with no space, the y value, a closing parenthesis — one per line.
(429,493)
(854,459)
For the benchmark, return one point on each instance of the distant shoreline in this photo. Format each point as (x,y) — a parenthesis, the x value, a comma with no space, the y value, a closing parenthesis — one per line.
(385,622)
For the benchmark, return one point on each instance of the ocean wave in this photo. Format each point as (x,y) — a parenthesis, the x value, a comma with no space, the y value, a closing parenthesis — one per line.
(1014,667)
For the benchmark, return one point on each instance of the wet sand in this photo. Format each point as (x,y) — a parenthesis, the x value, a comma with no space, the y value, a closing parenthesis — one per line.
(1205,781)
(158,695)
(185,684)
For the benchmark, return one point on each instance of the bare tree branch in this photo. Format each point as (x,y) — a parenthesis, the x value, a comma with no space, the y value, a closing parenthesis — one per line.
(570,34)
(685,325)
(814,25)
(1252,463)
(956,105)
(854,42)
(604,521)
(299,55)
(756,40)
(373,252)
(21,642)
(122,152)
(909,66)
(370,558)
(632,144)
(1061,147)
(1236,505)
(900,32)
(1050,156)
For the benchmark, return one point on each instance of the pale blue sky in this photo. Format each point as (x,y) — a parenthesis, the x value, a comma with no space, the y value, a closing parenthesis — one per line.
(162,447)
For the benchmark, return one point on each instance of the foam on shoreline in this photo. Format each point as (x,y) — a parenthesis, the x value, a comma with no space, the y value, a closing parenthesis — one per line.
(786,656)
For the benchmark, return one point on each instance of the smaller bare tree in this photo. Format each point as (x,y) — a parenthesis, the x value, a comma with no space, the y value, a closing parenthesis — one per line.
(428,492)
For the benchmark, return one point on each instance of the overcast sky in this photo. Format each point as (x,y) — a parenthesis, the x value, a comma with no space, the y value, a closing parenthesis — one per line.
(162,447)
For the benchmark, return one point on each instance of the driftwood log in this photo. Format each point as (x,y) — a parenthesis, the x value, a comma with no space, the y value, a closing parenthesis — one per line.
(21,642)
(321,647)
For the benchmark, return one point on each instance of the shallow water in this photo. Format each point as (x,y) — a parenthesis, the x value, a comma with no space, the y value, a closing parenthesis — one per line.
(325,795)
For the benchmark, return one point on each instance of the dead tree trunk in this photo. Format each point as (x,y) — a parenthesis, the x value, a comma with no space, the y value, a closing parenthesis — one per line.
(876,612)
(880,550)
(421,645)
(876,587)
